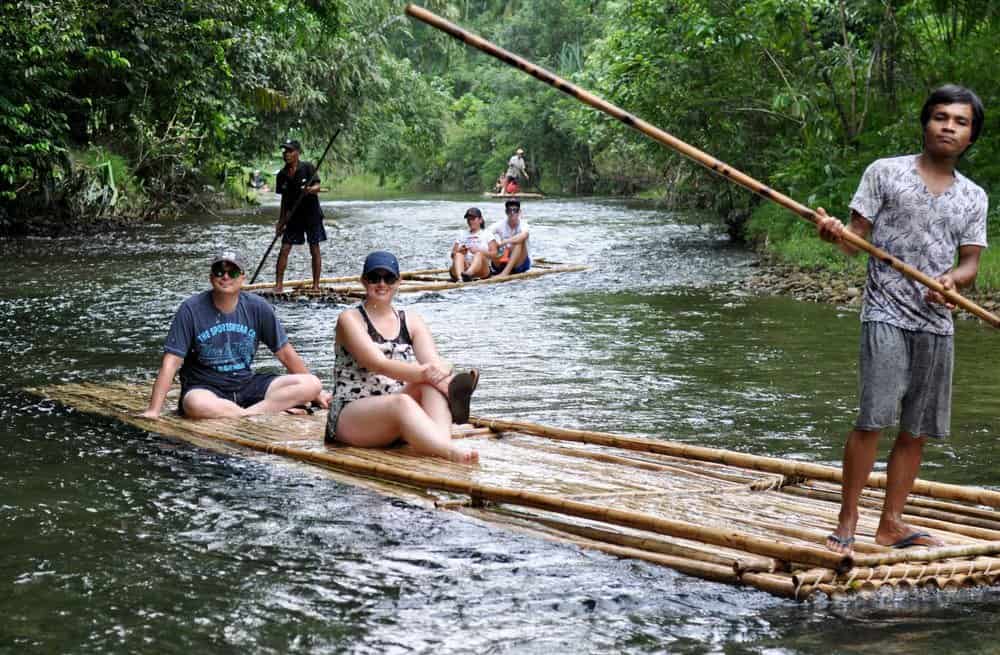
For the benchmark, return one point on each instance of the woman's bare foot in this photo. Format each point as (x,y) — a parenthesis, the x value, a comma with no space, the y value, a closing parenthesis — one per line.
(462,456)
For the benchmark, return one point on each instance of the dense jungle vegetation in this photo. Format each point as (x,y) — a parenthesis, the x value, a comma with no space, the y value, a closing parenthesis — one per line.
(130,110)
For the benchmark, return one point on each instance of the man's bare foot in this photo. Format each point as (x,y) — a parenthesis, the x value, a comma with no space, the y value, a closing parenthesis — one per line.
(906,536)
(463,456)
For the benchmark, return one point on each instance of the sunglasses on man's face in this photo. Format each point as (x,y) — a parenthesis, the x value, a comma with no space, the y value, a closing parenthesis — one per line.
(513,211)
(233,273)
(381,276)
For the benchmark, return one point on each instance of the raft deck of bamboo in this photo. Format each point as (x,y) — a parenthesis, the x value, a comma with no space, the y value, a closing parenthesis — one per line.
(343,289)
(715,514)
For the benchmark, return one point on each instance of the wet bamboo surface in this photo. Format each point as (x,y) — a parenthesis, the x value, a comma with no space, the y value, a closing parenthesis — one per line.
(342,289)
(721,521)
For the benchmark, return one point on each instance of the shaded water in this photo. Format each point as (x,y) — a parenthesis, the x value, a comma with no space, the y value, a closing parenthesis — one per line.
(117,540)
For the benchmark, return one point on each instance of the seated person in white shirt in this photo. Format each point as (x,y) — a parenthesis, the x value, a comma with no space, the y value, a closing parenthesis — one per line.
(509,242)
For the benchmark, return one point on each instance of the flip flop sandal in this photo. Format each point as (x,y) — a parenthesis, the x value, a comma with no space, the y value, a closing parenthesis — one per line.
(306,410)
(460,395)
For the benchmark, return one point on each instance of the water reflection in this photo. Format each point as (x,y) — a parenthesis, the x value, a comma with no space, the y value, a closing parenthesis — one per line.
(115,539)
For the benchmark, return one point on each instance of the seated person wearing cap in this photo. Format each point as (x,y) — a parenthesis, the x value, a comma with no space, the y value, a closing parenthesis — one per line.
(212,341)
(470,251)
(301,217)
(509,242)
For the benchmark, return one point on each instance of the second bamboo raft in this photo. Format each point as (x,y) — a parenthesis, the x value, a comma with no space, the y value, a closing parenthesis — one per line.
(343,289)
(715,514)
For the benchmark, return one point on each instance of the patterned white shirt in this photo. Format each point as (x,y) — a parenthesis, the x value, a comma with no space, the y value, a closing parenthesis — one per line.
(921,229)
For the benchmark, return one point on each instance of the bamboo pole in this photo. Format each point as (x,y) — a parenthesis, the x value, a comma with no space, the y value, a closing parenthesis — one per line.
(675,528)
(909,510)
(737,560)
(692,153)
(788,468)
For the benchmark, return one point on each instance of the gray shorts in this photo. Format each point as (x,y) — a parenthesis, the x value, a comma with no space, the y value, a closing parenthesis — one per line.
(904,377)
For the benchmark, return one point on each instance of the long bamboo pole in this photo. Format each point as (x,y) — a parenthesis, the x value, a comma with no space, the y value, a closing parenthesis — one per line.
(785,467)
(692,153)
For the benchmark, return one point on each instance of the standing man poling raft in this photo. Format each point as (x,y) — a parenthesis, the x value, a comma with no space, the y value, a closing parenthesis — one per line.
(516,169)
(920,209)
(298,178)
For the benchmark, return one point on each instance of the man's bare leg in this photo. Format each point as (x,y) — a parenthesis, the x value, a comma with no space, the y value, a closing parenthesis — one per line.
(287,391)
(859,458)
(317,264)
(904,463)
(279,272)
(518,253)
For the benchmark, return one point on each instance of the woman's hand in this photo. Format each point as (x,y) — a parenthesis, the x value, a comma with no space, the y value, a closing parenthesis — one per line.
(436,374)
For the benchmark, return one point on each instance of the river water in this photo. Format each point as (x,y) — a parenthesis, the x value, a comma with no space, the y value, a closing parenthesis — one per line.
(118,540)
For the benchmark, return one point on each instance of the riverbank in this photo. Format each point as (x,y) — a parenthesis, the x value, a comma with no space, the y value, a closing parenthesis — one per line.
(842,288)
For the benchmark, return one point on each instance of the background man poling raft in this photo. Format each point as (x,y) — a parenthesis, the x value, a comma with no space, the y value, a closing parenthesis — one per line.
(212,341)
(921,210)
(300,219)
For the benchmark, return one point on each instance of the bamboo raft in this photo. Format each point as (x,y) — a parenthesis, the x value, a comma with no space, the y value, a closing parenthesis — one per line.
(719,515)
(343,289)
(516,196)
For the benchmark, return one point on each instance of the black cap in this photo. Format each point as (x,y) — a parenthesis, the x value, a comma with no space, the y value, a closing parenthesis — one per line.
(473,211)
(291,144)
(513,202)
(381,259)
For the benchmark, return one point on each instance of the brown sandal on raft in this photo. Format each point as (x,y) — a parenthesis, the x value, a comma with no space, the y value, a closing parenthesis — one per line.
(460,395)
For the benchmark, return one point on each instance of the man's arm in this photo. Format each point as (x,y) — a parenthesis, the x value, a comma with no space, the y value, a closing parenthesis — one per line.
(961,276)
(832,230)
(168,369)
(291,359)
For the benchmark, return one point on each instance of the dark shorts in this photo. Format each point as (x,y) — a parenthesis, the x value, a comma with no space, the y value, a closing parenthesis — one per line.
(523,268)
(251,393)
(904,377)
(297,232)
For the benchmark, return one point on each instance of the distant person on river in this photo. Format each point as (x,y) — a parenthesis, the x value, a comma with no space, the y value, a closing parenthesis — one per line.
(389,382)
(516,168)
(212,342)
(470,250)
(921,210)
(508,244)
(511,187)
(298,179)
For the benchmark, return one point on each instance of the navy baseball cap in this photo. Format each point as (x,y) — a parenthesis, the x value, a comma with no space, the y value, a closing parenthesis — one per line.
(513,202)
(381,259)
(291,144)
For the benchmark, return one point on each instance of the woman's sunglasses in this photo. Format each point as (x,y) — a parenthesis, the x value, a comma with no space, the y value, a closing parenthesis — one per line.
(233,273)
(375,277)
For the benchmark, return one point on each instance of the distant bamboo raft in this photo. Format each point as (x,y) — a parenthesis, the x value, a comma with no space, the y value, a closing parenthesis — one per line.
(715,514)
(343,289)
(515,196)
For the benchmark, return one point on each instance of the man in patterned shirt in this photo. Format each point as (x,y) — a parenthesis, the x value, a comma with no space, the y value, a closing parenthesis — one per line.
(921,210)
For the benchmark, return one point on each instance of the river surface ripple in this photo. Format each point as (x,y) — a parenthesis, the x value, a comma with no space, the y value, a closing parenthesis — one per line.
(117,540)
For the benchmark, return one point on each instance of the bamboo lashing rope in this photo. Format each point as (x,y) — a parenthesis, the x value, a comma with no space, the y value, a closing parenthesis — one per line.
(692,153)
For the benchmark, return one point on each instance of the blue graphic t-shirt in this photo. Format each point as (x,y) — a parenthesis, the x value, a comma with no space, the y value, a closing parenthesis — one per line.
(218,348)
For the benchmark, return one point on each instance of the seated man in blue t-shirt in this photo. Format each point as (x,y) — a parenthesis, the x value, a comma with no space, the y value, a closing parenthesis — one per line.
(213,340)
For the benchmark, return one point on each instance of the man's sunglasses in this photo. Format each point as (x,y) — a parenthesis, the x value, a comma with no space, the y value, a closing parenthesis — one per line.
(513,210)
(375,277)
(233,273)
